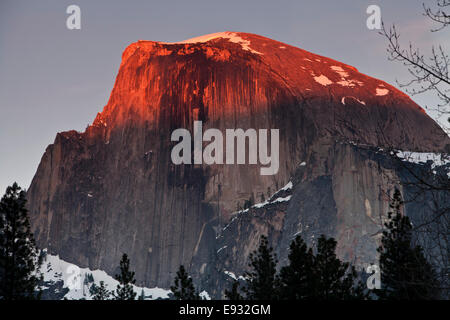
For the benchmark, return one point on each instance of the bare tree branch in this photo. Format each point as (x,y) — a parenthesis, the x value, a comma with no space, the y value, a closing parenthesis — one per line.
(428,73)
(439,16)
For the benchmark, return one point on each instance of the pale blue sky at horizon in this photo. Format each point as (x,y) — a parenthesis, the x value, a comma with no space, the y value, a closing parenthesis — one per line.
(53,79)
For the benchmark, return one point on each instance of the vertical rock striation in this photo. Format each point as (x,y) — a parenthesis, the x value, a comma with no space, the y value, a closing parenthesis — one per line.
(114,189)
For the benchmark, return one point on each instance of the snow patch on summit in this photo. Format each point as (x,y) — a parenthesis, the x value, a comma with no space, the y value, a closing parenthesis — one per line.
(323,80)
(381,91)
(344,75)
(340,71)
(231,36)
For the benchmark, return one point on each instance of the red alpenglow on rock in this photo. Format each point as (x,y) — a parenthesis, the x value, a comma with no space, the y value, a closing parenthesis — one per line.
(114,189)
(155,76)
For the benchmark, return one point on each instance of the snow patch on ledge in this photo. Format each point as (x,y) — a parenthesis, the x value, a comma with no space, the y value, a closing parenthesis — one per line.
(236,214)
(233,276)
(230,274)
(231,36)
(288,186)
(204,295)
(437,159)
(224,247)
(265,203)
(360,101)
(281,199)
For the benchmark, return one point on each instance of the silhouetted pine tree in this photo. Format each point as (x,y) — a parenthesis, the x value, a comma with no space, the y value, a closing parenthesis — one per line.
(332,278)
(405,273)
(261,280)
(296,279)
(89,277)
(320,276)
(99,292)
(19,258)
(234,293)
(142,295)
(126,280)
(183,288)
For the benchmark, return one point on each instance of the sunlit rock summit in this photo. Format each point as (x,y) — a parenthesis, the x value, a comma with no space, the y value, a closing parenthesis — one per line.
(114,189)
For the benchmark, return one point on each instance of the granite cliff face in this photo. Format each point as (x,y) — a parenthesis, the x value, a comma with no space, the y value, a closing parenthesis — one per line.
(114,188)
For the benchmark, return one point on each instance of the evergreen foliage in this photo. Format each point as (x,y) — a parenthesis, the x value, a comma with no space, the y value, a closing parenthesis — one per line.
(332,278)
(307,276)
(405,272)
(295,279)
(261,279)
(233,293)
(99,292)
(126,280)
(20,260)
(183,288)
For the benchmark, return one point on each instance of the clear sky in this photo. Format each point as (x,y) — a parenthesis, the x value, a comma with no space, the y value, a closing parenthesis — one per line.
(53,79)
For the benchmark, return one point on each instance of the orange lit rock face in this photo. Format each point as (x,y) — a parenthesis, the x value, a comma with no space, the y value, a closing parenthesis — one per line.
(221,81)
(113,188)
